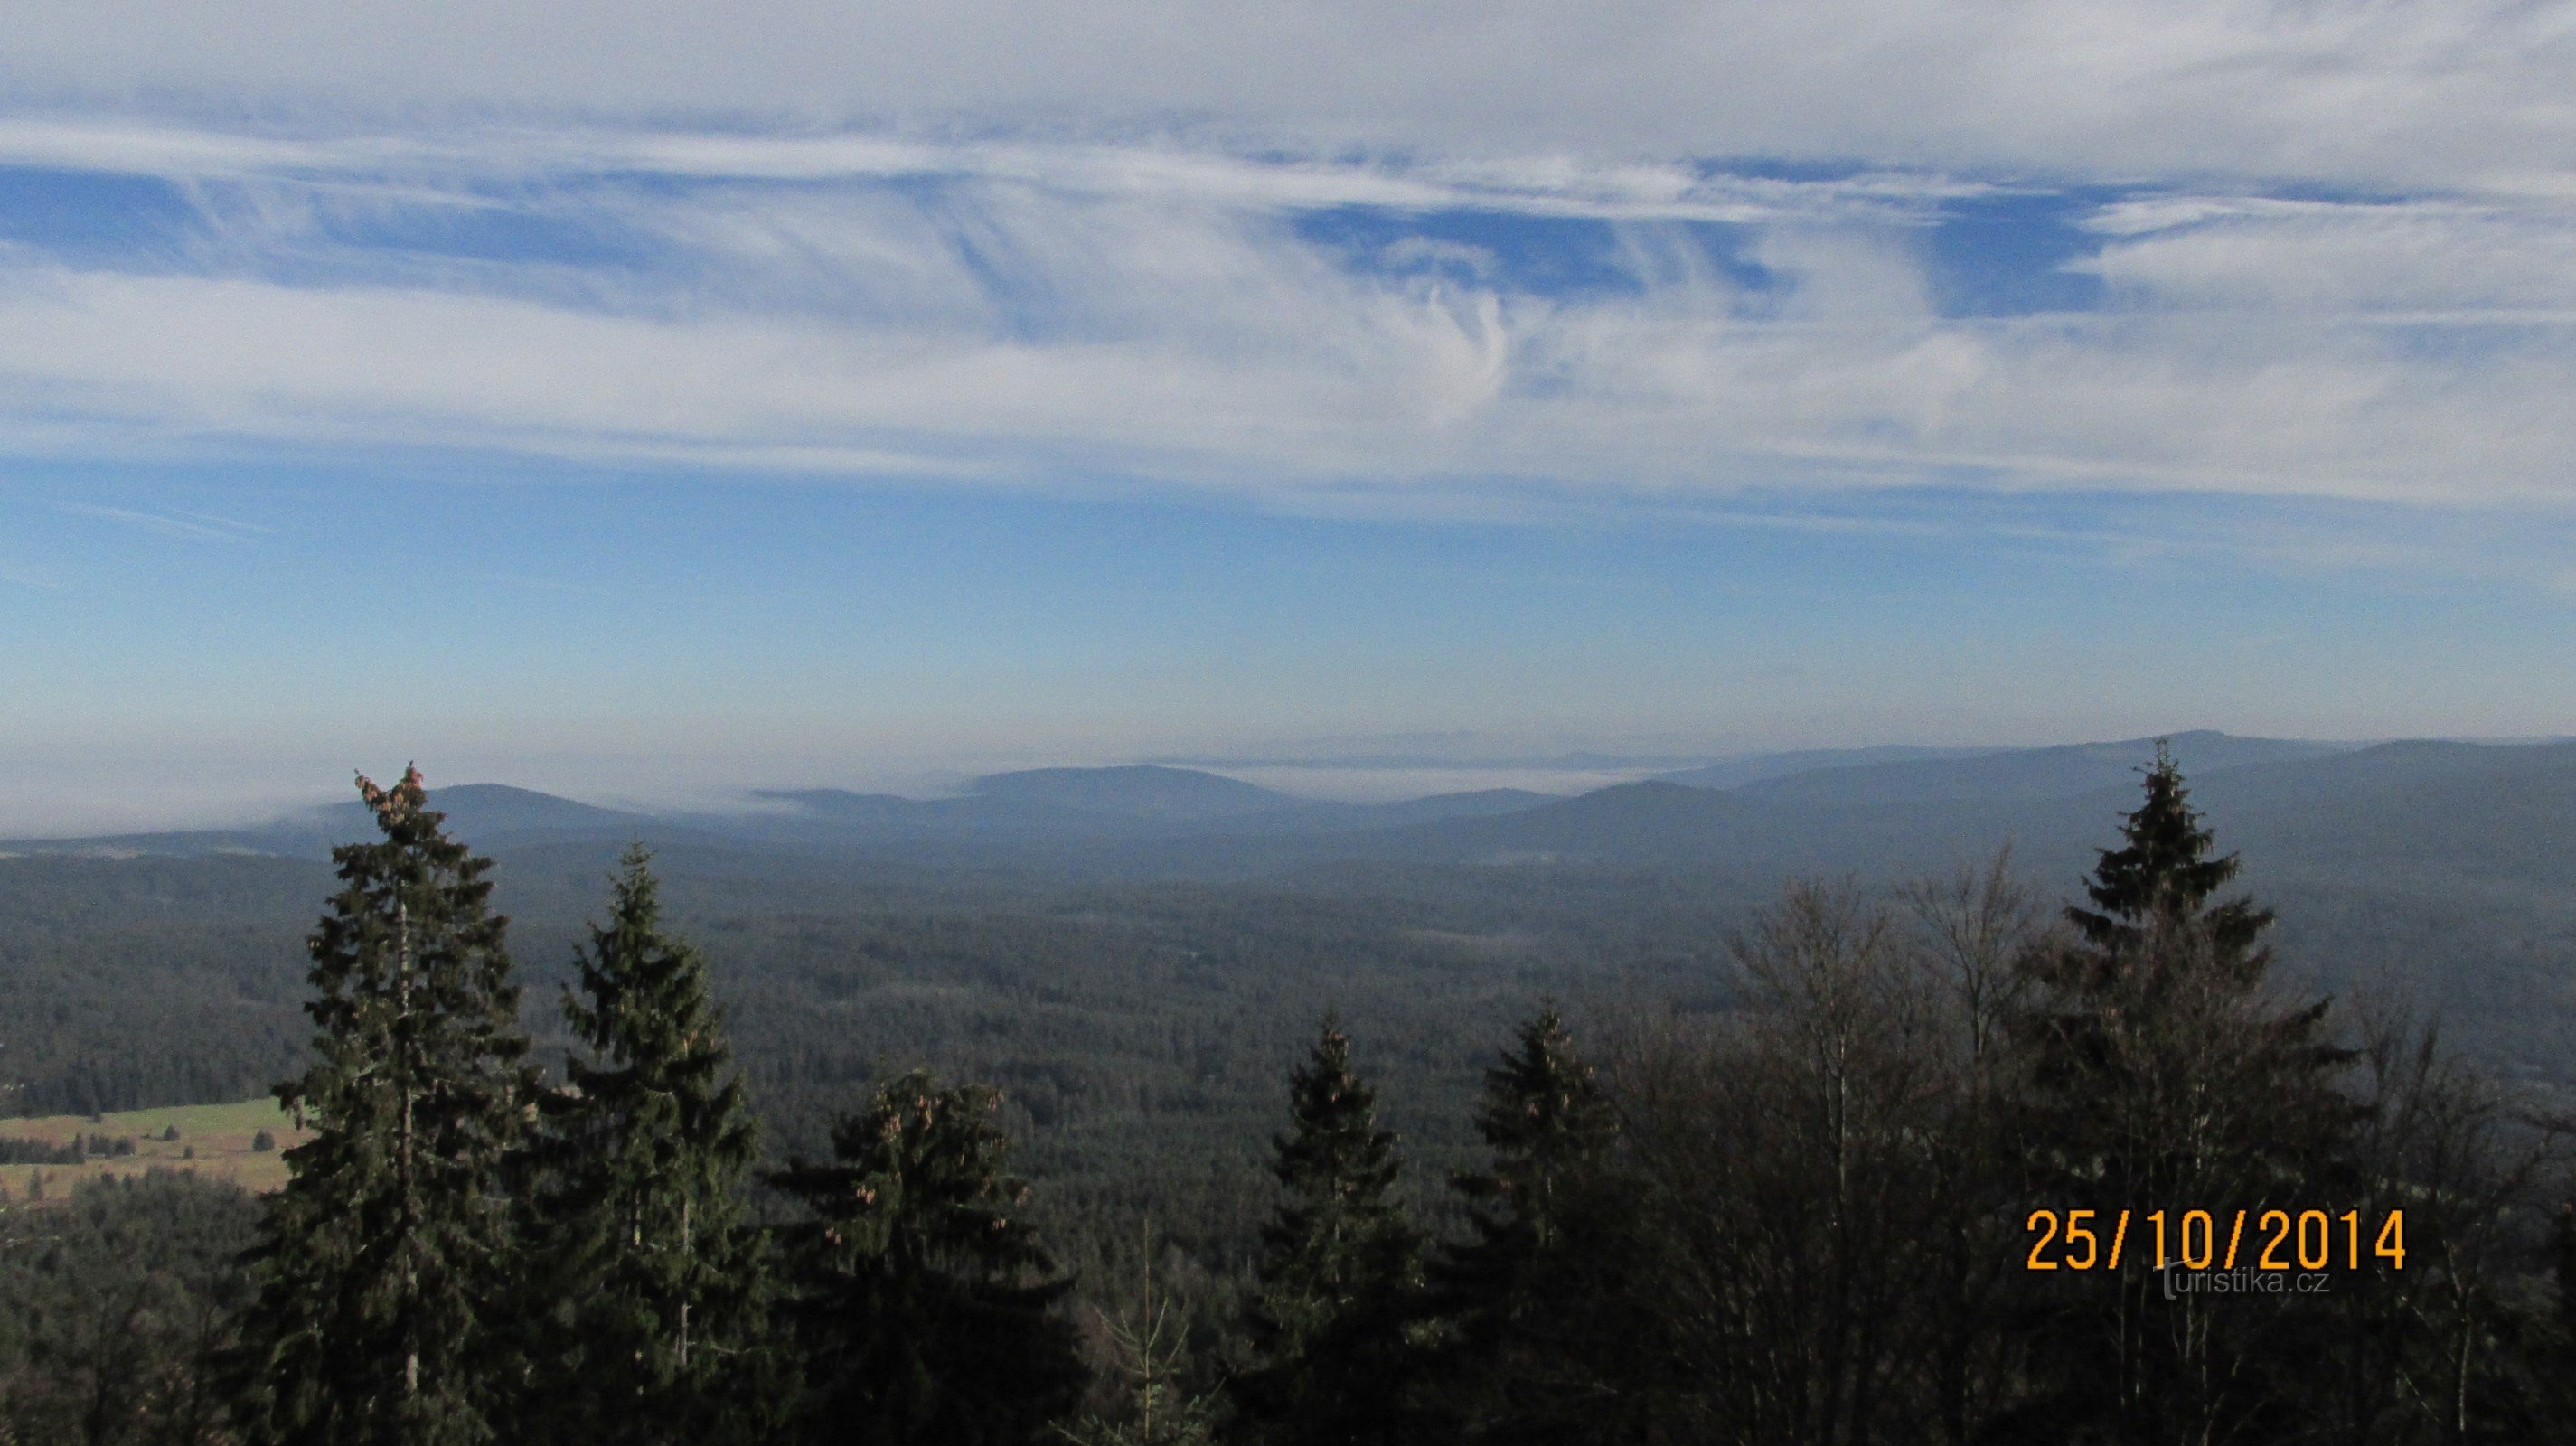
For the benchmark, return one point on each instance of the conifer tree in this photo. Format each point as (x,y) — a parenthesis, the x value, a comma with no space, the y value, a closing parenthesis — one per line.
(1544,1118)
(1334,1322)
(2164,990)
(1150,1359)
(2162,1074)
(2164,868)
(380,1262)
(923,1302)
(1509,1291)
(647,1284)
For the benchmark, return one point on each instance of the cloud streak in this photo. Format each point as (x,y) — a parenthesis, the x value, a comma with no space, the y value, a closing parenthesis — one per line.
(2462,94)
(1195,332)
(1537,184)
(198,525)
(1311,250)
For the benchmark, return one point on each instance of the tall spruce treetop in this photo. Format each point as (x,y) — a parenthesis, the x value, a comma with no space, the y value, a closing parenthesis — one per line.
(639,1246)
(2163,985)
(2160,1069)
(1339,1236)
(2164,865)
(1544,1117)
(923,1299)
(1503,1293)
(1339,1270)
(378,1261)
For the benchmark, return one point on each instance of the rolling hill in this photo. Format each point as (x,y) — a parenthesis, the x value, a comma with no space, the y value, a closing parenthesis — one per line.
(1029,929)
(2023,773)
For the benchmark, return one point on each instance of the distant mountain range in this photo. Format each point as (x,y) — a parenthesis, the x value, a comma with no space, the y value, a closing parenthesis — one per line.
(2450,867)
(1144,801)
(1759,767)
(2499,811)
(2487,810)
(1923,775)
(1044,806)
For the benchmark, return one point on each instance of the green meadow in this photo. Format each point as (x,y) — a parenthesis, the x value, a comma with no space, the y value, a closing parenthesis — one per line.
(214,1141)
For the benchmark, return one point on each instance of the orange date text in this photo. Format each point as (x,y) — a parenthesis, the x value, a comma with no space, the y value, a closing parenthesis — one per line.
(2263,1240)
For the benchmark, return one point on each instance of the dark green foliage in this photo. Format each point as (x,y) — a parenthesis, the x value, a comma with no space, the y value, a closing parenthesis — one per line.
(1545,1119)
(1334,1327)
(1806,1227)
(1507,1294)
(646,1285)
(381,1262)
(107,1303)
(1138,1032)
(924,1307)
(132,983)
(2164,868)
(2157,1060)
(2159,1069)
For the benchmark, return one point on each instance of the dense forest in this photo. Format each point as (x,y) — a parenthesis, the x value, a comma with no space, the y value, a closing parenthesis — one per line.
(1028,1162)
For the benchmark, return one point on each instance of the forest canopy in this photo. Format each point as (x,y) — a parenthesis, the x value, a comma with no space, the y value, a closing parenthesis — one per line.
(1849,1163)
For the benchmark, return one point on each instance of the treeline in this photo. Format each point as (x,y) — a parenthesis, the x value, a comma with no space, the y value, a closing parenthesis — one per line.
(16,1150)
(1128,1025)
(1935,1175)
(1938,1181)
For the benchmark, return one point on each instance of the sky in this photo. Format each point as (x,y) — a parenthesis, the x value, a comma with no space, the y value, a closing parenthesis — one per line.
(651,401)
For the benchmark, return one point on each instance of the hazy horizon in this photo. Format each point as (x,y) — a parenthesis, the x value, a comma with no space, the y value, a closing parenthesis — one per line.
(1327,776)
(600,395)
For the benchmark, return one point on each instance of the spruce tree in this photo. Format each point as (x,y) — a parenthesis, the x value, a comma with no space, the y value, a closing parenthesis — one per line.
(380,1261)
(2161,1073)
(1546,1121)
(2163,991)
(2164,869)
(923,1302)
(647,1282)
(1335,1320)
(1507,1294)
(1154,1404)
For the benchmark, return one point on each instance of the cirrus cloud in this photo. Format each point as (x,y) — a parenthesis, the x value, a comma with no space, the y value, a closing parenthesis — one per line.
(2217,245)
(1017,313)
(2462,93)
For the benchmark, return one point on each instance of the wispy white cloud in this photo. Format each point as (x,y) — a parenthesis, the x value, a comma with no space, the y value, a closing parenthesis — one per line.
(1083,248)
(173,523)
(2469,93)
(416,164)
(1001,329)
(2419,261)
(226,524)
(1269,250)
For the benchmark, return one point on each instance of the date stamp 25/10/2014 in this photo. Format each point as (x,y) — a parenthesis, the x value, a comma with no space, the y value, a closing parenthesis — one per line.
(2281,1241)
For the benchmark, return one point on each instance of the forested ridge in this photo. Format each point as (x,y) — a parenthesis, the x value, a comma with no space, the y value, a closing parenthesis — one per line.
(1766,1175)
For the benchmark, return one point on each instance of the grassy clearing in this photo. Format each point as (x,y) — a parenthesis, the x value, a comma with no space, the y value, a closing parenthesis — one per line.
(212,1140)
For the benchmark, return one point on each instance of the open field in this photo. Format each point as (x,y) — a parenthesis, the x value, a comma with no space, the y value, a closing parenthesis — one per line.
(211,1140)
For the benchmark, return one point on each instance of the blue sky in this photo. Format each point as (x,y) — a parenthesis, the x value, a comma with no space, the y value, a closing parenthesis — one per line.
(650,403)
